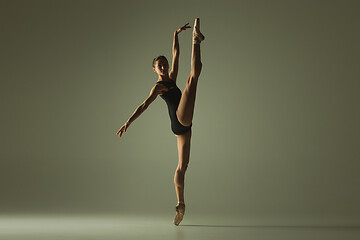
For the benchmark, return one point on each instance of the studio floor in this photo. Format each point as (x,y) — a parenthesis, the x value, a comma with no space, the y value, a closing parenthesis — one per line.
(62,227)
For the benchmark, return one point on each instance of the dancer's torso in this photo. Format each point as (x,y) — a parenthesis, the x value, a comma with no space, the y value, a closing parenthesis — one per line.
(172,98)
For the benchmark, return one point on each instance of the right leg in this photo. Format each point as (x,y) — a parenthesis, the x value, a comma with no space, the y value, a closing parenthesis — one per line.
(185,109)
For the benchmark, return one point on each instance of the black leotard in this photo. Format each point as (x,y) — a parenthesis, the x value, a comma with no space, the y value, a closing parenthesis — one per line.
(172,99)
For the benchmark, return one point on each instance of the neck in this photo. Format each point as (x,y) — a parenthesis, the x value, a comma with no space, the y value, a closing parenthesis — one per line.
(164,78)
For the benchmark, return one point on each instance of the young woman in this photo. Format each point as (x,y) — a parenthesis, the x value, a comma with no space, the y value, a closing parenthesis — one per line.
(180,106)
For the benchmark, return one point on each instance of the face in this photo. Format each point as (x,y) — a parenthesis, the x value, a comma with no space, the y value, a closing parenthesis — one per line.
(161,67)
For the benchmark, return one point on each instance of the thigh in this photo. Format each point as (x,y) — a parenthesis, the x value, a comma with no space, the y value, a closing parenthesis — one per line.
(183,144)
(186,106)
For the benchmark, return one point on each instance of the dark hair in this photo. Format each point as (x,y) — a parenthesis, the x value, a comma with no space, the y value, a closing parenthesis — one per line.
(158,58)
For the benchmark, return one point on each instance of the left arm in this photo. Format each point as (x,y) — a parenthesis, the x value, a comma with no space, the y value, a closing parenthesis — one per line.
(176,52)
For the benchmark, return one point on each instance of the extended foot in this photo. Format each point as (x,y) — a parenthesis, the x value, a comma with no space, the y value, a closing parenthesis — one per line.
(197,35)
(180,211)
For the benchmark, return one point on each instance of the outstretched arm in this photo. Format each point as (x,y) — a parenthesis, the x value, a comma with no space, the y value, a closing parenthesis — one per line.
(155,91)
(176,52)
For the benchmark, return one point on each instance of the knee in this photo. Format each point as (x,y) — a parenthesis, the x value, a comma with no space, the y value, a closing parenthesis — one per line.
(193,78)
(181,169)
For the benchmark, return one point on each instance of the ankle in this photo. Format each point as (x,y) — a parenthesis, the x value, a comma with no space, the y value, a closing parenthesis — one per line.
(198,38)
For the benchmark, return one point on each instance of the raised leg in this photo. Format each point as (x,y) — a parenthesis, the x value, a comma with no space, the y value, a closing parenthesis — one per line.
(186,106)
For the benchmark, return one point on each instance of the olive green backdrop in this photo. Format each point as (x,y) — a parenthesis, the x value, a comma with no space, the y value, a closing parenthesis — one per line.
(276,128)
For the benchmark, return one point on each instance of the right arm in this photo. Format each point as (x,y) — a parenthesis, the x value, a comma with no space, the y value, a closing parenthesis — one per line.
(155,91)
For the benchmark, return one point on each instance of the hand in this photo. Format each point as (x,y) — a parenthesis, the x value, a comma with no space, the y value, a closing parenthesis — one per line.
(182,28)
(123,129)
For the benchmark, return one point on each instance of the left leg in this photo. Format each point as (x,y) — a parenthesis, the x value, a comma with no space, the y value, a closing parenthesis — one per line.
(183,143)
(185,109)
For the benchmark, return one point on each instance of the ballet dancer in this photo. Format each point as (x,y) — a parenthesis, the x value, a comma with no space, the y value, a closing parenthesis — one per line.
(180,106)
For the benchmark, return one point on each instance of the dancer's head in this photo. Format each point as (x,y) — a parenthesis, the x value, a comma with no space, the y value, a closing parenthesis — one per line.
(161,65)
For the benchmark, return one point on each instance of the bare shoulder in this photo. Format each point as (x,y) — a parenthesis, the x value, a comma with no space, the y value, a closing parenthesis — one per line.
(159,88)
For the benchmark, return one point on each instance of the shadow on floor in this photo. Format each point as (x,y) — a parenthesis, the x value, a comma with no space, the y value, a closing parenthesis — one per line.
(204,225)
(266,226)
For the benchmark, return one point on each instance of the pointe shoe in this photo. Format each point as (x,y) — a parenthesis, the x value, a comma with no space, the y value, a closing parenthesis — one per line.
(197,35)
(180,211)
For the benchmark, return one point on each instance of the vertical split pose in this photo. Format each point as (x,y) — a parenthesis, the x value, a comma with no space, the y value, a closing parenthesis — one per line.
(180,106)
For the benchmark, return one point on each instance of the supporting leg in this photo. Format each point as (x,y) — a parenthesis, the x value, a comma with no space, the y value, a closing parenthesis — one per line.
(183,142)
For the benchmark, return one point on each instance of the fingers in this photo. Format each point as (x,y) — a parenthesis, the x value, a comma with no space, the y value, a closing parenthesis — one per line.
(121,131)
(185,26)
